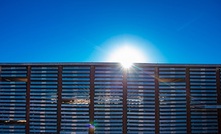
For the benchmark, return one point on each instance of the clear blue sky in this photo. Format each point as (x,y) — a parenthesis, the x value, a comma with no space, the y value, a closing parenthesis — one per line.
(174,31)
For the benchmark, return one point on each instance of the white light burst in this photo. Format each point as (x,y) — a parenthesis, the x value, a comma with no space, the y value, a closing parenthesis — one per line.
(127,55)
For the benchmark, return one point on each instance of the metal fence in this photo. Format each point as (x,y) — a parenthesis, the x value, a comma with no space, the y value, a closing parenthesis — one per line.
(106,98)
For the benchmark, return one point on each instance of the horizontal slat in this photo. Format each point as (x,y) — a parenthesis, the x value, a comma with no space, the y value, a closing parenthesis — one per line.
(108,96)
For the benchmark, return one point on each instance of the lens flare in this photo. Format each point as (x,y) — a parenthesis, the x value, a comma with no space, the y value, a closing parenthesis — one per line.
(127,55)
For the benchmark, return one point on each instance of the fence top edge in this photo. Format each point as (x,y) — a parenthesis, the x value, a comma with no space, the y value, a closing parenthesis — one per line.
(107,64)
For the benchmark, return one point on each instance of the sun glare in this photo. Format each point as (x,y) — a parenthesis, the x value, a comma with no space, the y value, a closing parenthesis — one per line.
(127,55)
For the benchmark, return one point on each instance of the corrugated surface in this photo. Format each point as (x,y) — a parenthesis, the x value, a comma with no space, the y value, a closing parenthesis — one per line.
(203,92)
(108,100)
(12,101)
(140,101)
(172,97)
(75,99)
(60,99)
(43,100)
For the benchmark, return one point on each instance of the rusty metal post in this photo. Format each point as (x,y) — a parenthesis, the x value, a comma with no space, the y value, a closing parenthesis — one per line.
(91,106)
(124,101)
(188,111)
(28,84)
(218,98)
(59,95)
(157,110)
(0,73)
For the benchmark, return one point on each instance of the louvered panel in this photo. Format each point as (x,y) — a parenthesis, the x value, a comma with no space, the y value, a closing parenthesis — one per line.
(203,93)
(172,100)
(140,101)
(108,100)
(107,83)
(13,71)
(220,81)
(12,100)
(43,100)
(75,99)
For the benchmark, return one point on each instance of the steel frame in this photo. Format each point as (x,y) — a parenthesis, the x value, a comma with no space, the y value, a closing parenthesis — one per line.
(124,83)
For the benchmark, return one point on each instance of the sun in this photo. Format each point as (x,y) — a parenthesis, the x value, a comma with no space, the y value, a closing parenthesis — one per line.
(127,55)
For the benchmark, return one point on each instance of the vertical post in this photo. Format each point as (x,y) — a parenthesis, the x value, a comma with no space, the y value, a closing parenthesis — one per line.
(124,101)
(28,84)
(188,112)
(157,111)
(218,98)
(59,93)
(0,73)
(91,106)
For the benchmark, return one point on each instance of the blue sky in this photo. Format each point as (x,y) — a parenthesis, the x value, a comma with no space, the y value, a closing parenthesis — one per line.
(167,31)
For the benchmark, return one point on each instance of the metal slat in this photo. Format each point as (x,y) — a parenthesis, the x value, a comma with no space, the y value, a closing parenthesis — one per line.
(75,99)
(172,105)
(140,100)
(12,100)
(43,100)
(202,94)
(108,100)
(155,95)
